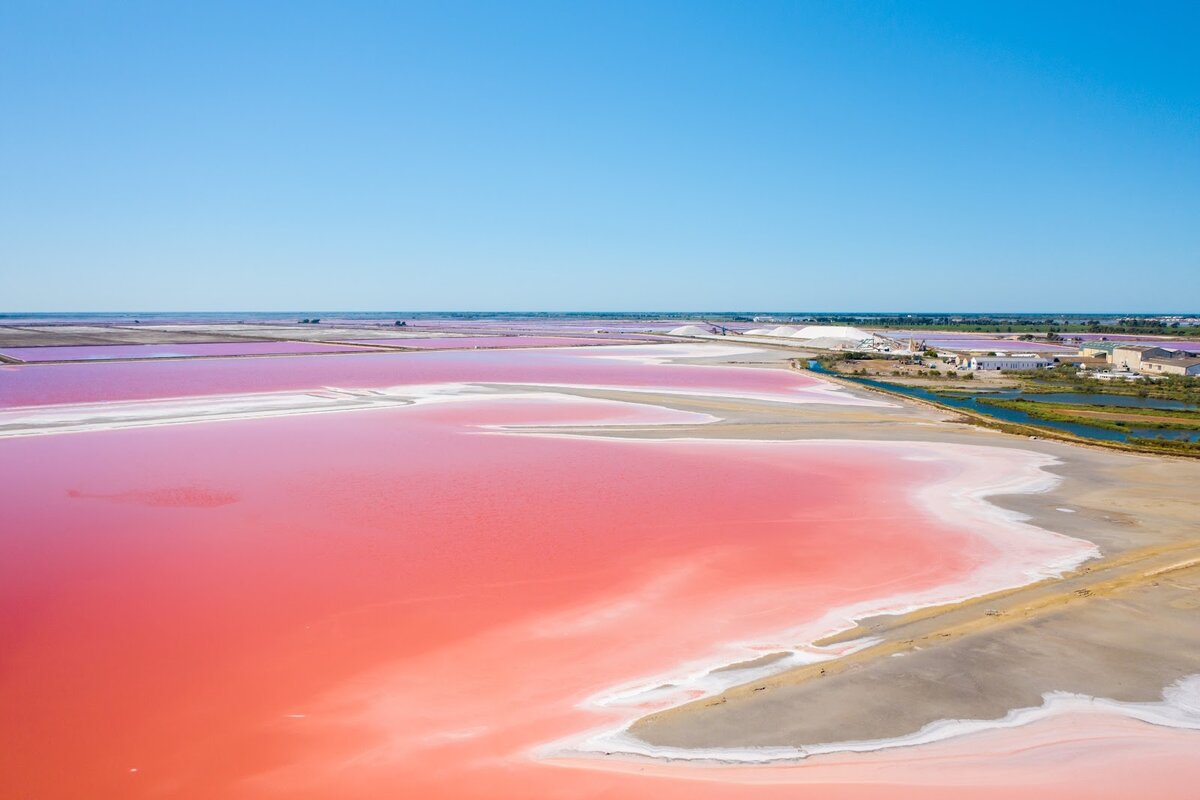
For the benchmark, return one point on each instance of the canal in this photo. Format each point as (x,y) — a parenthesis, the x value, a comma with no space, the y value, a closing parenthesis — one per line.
(968,401)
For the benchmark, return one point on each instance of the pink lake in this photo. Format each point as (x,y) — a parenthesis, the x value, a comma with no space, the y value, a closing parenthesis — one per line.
(1000,345)
(955,340)
(486,342)
(411,602)
(102,352)
(1170,344)
(633,367)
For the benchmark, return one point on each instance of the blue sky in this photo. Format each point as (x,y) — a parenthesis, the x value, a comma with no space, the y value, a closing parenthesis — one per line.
(574,156)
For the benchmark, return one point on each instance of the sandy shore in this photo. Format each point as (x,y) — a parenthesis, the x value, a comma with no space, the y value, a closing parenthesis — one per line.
(1122,627)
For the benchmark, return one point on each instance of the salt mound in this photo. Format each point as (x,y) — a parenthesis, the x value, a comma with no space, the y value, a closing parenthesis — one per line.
(831,332)
(833,343)
(782,330)
(689,330)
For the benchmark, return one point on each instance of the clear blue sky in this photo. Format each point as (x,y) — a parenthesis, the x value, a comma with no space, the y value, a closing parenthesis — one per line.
(578,156)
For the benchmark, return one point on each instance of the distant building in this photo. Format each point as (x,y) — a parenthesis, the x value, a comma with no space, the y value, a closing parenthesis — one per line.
(1098,349)
(1009,362)
(1170,365)
(1130,356)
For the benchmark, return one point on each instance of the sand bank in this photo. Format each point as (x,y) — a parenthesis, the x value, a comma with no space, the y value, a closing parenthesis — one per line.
(1121,629)
(547,563)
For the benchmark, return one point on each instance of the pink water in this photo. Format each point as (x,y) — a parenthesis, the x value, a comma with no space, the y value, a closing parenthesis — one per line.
(1153,341)
(403,603)
(602,366)
(952,340)
(557,324)
(486,342)
(1000,345)
(98,352)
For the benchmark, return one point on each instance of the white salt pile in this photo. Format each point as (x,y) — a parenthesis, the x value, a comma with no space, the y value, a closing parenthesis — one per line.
(689,330)
(831,332)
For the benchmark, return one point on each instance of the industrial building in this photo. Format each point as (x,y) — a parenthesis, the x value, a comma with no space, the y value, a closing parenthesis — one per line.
(1098,349)
(1143,359)
(1182,364)
(1009,362)
(1130,356)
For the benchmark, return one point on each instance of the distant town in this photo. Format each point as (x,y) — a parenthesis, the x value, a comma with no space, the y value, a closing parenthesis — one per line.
(1121,358)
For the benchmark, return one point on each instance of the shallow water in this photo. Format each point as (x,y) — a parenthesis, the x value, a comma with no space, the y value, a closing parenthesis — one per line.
(499,578)
(411,602)
(487,342)
(630,367)
(101,352)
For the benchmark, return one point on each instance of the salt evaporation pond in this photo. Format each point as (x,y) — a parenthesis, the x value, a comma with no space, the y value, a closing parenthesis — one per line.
(409,602)
(629,367)
(104,352)
(485,342)
(951,340)
(1168,343)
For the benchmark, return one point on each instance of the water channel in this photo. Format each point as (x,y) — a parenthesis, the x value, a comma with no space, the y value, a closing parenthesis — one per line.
(969,401)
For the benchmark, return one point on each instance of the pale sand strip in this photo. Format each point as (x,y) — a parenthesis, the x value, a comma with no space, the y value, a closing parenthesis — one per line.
(1122,639)
(1127,647)
(1125,644)
(1179,707)
(81,417)
(1023,554)
(945,671)
(84,417)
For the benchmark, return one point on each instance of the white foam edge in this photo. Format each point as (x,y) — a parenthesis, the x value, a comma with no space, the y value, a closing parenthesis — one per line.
(715,676)
(675,353)
(77,417)
(825,393)
(1179,708)
(702,674)
(81,417)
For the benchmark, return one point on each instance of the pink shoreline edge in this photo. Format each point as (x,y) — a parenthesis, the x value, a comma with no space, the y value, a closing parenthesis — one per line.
(1039,554)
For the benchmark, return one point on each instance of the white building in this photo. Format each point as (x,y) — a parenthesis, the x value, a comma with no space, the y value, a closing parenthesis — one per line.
(1009,362)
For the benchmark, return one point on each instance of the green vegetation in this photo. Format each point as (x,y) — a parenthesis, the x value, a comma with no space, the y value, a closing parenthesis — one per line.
(1175,446)
(1053,327)
(1144,444)
(830,360)
(1156,418)
(1063,378)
